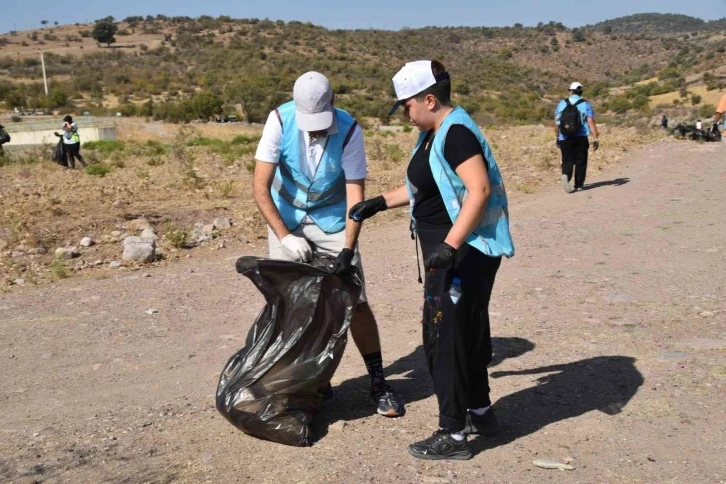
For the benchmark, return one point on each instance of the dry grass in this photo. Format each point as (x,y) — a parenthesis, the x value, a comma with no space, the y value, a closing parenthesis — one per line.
(46,205)
(707,97)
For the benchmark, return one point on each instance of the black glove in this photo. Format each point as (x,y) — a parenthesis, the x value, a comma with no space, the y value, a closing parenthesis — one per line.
(343,262)
(595,145)
(557,142)
(367,208)
(441,258)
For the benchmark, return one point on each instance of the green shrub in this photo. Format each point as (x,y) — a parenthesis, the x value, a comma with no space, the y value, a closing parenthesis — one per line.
(99,169)
(58,269)
(394,152)
(105,147)
(243,139)
(177,236)
(203,141)
(225,187)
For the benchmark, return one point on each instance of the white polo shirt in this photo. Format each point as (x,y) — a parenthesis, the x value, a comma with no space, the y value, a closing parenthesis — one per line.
(354,160)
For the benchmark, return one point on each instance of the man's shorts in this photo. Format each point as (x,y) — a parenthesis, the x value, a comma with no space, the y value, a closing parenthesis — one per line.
(321,243)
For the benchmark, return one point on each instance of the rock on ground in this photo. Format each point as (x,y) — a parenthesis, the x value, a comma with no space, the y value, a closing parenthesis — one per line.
(139,249)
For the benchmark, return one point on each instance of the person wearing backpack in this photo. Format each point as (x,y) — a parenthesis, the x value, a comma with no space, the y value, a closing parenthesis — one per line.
(574,122)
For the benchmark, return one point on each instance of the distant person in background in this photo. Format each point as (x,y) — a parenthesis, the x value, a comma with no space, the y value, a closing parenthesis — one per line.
(574,122)
(699,125)
(72,141)
(664,122)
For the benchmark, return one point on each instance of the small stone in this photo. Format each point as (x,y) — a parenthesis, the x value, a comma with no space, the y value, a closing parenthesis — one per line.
(152,311)
(114,265)
(138,225)
(15,254)
(149,234)
(221,245)
(19,281)
(116,233)
(38,251)
(550,464)
(222,223)
(3,244)
(147,275)
(208,229)
(97,263)
(707,314)
(66,253)
(87,242)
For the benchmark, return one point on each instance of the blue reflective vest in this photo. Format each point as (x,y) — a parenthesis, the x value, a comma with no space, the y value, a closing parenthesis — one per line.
(491,236)
(323,198)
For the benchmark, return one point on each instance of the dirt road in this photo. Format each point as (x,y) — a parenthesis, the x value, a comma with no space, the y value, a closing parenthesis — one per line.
(609,328)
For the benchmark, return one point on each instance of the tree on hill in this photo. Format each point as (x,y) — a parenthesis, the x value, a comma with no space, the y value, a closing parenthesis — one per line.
(104,32)
(44,22)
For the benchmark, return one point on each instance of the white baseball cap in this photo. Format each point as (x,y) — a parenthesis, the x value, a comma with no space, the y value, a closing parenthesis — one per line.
(313,96)
(575,86)
(414,78)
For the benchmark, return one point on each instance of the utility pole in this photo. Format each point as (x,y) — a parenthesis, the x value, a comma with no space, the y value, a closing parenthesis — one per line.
(45,80)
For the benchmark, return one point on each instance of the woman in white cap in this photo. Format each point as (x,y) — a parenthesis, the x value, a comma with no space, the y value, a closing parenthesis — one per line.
(459,214)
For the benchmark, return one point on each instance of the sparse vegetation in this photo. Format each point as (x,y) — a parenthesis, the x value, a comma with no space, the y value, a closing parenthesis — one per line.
(98,169)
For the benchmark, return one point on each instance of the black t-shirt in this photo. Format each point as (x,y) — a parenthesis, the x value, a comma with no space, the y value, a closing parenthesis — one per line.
(429,209)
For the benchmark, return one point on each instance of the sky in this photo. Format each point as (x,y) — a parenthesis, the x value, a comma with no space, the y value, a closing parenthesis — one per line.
(361,14)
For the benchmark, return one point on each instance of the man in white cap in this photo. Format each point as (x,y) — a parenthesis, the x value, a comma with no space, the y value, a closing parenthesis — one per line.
(574,122)
(311,168)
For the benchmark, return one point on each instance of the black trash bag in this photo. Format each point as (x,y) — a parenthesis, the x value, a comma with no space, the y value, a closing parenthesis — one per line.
(272,388)
(59,154)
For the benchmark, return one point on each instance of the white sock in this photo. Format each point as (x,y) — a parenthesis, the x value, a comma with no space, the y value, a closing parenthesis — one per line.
(479,412)
(458,436)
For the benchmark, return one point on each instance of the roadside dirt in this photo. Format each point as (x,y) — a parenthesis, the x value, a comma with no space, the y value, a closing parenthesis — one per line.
(609,333)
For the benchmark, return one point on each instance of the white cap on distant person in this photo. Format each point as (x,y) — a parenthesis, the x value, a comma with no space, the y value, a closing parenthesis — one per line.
(575,86)
(412,79)
(313,96)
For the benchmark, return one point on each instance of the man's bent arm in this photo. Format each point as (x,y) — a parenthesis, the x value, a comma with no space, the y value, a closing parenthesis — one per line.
(261,185)
(593,128)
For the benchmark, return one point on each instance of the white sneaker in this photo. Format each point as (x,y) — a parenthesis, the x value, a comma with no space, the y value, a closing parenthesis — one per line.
(566,185)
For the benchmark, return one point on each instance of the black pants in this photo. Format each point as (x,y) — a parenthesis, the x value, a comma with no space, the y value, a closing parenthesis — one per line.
(74,151)
(456,337)
(574,155)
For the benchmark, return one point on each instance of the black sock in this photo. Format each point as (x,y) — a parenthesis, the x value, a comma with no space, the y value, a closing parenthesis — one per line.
(374,365)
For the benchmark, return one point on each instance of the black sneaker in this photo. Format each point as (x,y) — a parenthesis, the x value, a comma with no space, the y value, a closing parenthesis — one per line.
(486,425)
(387,402)
(441,446)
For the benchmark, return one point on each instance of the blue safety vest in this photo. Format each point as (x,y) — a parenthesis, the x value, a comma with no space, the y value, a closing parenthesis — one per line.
(323,198)
(491,236)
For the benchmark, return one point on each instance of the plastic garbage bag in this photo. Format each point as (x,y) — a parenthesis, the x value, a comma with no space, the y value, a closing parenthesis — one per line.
(272,388)
(59,154)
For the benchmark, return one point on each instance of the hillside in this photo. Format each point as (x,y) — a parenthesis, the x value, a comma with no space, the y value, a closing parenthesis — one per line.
(183,69)
(659,23)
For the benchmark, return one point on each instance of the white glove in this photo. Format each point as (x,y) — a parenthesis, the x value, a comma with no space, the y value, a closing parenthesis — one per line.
(298,246)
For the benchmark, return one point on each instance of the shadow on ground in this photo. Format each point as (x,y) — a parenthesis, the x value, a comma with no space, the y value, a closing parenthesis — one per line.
(408,376)
(616,182)
(604,383)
